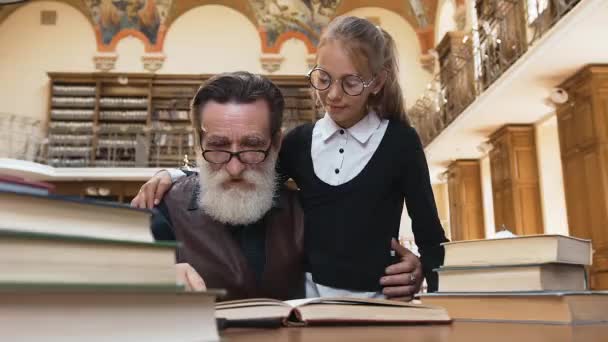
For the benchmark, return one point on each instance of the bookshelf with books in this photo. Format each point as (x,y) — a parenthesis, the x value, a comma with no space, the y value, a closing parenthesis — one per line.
(72,107)
(171,134)
(138,120)
(123,117)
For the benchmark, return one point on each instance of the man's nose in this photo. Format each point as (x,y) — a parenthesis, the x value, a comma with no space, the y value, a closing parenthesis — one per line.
(234,167)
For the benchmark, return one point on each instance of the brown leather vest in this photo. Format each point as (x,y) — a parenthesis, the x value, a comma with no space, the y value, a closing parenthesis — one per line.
(208,246)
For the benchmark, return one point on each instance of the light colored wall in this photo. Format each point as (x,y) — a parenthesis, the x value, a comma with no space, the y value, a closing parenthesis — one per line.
(553,200)
(413,77)
(486,194)
(29,50)
(440,191)
(470,10)
(444,21)
(212,39)
(295,53)
(129,51)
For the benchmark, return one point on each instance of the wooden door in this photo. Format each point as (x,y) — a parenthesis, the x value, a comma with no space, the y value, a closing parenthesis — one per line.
(583,134)
(515,183)
(466,206)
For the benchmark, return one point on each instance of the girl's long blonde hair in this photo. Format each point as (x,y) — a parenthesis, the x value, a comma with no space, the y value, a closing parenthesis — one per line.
(372,48)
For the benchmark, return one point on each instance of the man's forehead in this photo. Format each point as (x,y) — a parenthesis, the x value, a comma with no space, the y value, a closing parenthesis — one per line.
(248,123)
(254,115)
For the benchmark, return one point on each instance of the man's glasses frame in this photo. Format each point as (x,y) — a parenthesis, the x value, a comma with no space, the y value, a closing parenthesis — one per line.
(224,157)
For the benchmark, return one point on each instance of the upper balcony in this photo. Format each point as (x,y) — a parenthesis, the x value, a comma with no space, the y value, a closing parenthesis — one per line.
(504,69)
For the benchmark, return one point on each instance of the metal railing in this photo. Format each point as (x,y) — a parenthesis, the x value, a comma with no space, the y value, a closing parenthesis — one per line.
(496,42)
(20,137)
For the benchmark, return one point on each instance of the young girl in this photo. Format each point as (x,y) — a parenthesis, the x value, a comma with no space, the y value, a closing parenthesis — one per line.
(357,165)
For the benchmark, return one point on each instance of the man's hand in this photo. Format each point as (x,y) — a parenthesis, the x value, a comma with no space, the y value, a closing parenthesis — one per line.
(402,279)
(187,275)
(152,192)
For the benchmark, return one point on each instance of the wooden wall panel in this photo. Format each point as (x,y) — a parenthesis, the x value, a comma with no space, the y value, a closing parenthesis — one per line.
(466,205)
(583,134)
(515,183)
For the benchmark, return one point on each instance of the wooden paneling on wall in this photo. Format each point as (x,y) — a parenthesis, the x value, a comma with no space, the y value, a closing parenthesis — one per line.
(515,184)
(466,205)
(583,135)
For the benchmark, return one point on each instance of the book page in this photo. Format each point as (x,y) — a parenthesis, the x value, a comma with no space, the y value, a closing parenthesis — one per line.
(299,302)
(350,301)
(249,302)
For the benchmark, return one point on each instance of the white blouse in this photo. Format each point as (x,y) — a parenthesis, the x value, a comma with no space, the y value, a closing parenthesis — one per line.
(339,154)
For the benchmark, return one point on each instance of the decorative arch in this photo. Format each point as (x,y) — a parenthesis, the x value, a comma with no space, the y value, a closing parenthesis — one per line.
(7,10)
(267,47)
(292,19)
(182,6)
(144,20)
(148,46)
(426,35)
(401,8)
(160,15)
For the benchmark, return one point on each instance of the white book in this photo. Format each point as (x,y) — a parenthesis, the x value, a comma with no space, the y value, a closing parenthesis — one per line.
(536,277)
(94,313)
(531,249)
(72,216)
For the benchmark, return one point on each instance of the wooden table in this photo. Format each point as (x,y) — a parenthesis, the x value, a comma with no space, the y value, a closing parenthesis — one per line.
(455,332)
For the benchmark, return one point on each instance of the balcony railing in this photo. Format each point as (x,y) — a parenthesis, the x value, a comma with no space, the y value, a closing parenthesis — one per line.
(503,31)
(20,137)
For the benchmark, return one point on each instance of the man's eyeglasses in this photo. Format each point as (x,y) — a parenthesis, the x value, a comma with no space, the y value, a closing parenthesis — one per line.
(352,85)
(245,156)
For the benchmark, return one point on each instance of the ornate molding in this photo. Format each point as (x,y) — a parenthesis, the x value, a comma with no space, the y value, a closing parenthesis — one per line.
(153,62)
(271,62)
(105,61)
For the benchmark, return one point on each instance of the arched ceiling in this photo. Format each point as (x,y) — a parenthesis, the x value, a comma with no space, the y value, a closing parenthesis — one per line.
(277,20)
(403,8)
(182,6)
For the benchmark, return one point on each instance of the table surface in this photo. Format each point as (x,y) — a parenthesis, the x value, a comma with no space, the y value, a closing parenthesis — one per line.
(455,332)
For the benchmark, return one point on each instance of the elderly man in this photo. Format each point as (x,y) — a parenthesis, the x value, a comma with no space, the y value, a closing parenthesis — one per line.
(235,227)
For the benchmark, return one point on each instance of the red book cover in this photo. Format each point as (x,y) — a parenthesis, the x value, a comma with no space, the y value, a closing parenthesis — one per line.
(19,182)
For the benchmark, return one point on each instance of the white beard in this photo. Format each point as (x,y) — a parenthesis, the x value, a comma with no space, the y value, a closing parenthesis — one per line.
(237,206)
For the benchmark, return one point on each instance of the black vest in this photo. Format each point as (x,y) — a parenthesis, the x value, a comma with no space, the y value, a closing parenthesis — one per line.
(208,246)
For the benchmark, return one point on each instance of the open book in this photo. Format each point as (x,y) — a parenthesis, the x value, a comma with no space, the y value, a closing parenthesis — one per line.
(342,310)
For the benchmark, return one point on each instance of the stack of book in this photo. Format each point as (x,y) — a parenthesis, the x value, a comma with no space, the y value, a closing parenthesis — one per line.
(539,278)
(86,270)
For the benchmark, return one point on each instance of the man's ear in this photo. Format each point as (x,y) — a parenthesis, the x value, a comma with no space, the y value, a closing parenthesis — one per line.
(277,139)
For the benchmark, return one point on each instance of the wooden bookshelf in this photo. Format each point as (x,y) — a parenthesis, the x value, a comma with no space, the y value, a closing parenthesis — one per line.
(138,120)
